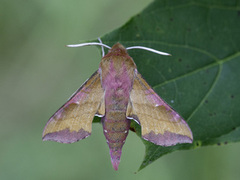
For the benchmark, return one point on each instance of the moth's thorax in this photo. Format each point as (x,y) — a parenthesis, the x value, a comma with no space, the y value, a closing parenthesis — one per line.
(118,63)
(117,76)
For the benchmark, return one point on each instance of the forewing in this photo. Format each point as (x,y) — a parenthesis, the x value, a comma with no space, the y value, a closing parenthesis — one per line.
(159,122)
(73,121)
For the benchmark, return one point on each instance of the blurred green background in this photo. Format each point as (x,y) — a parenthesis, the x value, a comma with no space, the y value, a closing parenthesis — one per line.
(38,74)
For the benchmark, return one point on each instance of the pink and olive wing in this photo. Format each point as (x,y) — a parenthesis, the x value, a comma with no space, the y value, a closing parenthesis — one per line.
(73,121)
(159,122)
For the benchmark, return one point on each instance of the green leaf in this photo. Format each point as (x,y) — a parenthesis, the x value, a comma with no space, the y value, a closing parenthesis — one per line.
(201,78)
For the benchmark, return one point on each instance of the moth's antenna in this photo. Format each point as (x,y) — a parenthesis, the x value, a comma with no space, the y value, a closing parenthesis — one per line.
(103,53)
(89,44)
(106,46)
(149,49)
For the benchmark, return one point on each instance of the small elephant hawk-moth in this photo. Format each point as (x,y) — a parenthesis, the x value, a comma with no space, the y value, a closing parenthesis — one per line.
(117,93)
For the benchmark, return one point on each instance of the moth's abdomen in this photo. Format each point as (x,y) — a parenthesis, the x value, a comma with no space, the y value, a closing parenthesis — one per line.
(115,127)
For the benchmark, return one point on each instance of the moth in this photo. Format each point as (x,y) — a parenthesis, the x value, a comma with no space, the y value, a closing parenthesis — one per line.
(117,93)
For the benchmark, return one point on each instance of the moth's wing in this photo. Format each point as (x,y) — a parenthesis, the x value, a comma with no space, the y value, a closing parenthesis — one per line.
(73,121)
(159,122)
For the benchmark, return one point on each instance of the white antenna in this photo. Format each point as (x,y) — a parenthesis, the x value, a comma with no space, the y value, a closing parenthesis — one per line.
(106,46)
(149,49)
(103,53)
(89,44)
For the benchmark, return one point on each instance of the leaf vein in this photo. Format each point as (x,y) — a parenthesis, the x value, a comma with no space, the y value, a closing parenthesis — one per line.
(208,92)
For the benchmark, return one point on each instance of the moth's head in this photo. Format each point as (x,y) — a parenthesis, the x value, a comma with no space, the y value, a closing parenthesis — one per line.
(118,50)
